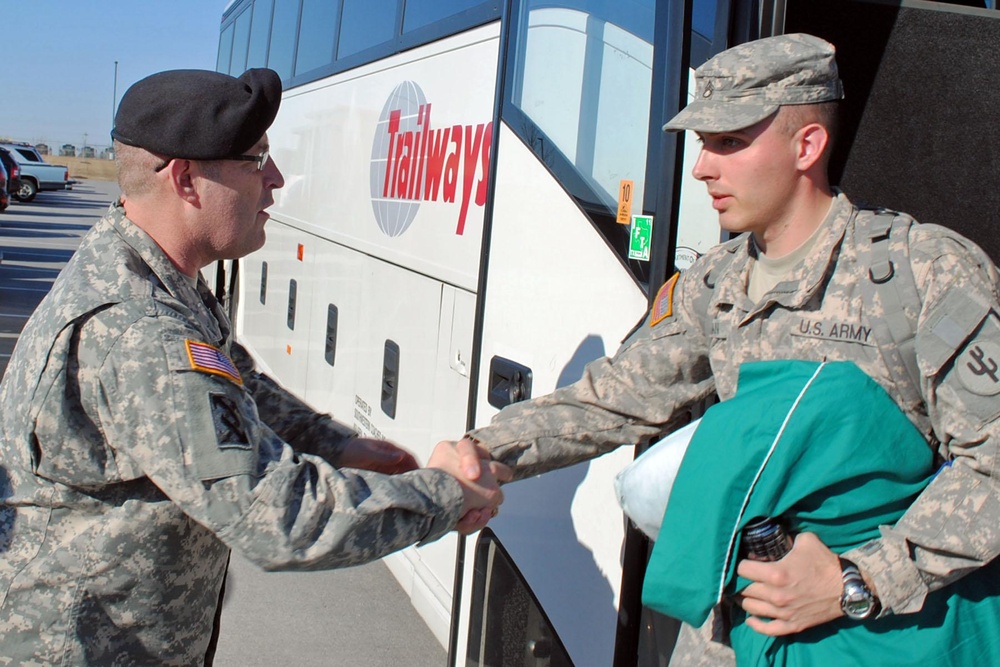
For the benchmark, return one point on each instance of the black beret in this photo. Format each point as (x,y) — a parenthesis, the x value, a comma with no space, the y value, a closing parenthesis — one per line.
(198,114)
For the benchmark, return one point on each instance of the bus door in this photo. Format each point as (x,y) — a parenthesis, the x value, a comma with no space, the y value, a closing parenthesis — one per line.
(583,223)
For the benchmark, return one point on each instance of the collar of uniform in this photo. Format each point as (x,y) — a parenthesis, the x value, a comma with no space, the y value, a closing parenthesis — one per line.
(804,280)
(175,282)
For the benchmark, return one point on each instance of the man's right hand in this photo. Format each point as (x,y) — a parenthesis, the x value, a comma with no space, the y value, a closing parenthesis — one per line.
(482,495)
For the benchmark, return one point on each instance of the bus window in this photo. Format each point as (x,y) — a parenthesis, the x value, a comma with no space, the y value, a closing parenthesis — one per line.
(318,25)
(260,29)
(225,50)
(580,92)
(419,13)
(366,23)
(508,627)
(285,22)
(703,18)
(241,37)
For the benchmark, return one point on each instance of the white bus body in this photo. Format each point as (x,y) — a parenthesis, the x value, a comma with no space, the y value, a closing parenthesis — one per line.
(428,230)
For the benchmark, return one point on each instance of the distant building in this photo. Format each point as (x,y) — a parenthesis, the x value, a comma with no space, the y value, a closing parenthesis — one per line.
(43,149)
(87,151)
(67,150)
(108,154)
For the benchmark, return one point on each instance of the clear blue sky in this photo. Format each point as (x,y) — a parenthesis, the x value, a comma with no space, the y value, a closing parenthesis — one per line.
(59,60)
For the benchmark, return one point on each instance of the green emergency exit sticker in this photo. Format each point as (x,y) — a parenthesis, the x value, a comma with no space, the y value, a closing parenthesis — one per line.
(640,237)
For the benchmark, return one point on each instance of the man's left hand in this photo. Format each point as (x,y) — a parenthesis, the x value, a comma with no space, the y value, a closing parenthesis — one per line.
(799,591)
(376,455)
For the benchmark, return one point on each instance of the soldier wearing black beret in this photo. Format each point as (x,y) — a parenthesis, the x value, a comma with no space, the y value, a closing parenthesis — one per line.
(198,115)
(140,444)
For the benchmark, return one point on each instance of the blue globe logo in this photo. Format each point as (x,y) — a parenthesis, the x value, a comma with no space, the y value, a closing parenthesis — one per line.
(393,214)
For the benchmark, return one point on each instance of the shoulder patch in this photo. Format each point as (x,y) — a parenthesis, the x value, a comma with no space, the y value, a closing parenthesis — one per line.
(208,359)
(663,305)
(978,368)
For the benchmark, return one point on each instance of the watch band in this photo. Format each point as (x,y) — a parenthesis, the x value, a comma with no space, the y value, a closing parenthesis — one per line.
(857,601)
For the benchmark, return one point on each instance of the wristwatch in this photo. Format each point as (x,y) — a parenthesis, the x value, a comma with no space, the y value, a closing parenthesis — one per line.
(857,601)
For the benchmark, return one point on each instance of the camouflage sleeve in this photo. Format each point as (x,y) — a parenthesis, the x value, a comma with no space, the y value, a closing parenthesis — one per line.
(289,417)
(953,527)
(633,397)
(177,409)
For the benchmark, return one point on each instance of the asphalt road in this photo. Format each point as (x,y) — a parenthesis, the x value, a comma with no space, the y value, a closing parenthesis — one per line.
(357,616)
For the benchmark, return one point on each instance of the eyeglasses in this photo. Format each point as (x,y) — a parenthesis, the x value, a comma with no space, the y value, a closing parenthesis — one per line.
(260,159)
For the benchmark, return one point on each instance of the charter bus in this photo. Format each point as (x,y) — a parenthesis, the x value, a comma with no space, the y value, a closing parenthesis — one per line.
(479,200)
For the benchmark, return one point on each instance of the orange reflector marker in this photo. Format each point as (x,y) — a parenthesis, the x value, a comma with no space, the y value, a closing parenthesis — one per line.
(301,251)
(288,349)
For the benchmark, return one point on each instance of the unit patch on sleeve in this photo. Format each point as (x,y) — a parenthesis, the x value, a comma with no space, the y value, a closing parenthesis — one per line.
(229,429)
(979,368)
(663,305)
(208,359)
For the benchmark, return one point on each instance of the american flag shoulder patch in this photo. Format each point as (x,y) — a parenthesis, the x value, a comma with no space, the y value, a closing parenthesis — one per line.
(208,359)
(663,305)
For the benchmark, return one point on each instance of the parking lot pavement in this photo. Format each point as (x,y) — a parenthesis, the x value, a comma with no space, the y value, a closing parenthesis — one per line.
(355,616)
(36,241)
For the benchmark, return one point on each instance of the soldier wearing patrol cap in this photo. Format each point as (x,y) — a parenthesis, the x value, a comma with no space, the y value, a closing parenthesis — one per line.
(140,445)
(811,277)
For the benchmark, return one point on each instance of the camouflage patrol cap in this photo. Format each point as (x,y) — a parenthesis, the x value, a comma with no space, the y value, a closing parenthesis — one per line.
(198,114)
(747,83)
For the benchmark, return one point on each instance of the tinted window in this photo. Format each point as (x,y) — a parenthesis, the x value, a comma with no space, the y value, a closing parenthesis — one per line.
(703,17)
(28,155)
(584,77)
(316,36)
(225,50)
(240,38)
(283,26)
(366,23)
(419,13)
(260,28)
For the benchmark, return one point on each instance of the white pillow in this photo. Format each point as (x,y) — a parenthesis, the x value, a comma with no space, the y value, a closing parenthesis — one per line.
(643,486)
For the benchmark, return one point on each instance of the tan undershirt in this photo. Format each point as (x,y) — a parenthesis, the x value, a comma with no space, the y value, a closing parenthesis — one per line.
(765,273)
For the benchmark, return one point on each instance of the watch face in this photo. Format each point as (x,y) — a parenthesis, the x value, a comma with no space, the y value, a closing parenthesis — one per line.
(857,607)
(857,602)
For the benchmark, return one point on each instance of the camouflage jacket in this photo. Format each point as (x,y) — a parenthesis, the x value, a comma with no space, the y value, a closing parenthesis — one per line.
(135,455)
(680,356)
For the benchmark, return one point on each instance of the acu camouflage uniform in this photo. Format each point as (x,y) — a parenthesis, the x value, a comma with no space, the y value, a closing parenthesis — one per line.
(703,327)
(131,465)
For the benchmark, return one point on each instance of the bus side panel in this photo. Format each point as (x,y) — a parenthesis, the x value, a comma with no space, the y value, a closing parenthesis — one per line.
(384,171)
(391,158)
(335,286)
(277,339)
(556,299)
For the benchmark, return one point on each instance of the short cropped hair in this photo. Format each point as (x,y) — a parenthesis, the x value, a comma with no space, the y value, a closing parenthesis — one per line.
(136,169)
(793,117)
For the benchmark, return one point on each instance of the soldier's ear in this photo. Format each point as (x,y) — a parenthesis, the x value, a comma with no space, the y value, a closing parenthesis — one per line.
(182,181)
(811,141)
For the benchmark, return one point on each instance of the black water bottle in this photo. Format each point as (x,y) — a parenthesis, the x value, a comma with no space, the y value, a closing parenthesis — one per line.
(766,538)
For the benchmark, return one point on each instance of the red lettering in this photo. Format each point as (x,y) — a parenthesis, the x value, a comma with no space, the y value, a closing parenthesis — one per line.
(393,128)
(435,162)
(472,147)
(404,165)
(425,119)
(484,181)
(451,165)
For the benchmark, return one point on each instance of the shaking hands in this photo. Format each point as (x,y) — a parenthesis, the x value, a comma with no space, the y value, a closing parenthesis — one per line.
(469,463)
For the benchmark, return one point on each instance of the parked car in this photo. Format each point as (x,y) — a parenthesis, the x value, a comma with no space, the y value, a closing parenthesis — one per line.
(13,170)
(4,198)
(36,173)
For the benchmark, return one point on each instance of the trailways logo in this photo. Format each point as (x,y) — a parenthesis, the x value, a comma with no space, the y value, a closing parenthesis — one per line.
(412,161)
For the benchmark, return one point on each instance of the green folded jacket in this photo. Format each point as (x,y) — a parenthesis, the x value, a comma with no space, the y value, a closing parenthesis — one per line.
(824,447)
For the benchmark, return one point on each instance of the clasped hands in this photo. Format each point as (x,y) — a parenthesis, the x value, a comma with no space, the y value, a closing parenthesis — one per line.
(469,463)
(466,460)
